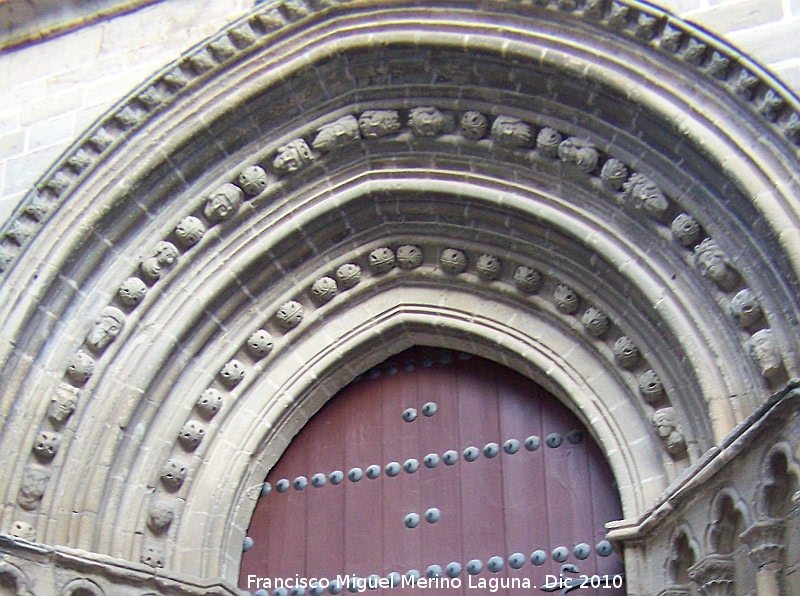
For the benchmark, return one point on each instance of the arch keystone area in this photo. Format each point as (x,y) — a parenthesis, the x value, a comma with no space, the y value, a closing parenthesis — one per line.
(595,194)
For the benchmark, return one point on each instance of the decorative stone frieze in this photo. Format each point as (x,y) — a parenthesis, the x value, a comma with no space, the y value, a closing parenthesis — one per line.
(290,315)
(106,328)
(381,260)
(190,230)
(223,202)
(336,134)
(508,131)
(132,291)
(164,255)
(453,261)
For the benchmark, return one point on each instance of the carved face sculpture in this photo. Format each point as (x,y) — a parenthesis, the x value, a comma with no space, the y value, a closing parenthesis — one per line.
(223,202)
(324,289)
(650,387)
(686,229)
(189,230)
(745,308)
(527,280)
(23,530)
(453,261)
(209,403)
(474,125)
(349,275)
(260,343)
(645,192)
(595,321)
(566,299)
(160,515)
(511,132)
(173,474)
(132,291)
(81,367)
(665,422)
(253,180)
(381,260)
(614,173)
(379,123)
(151,555)
(292,156)
(34,483)
(713,264)
(409,256)
(338,133)
(426,121)
(290,315)
(232,373)
(548,141)
(46,444)
(489,267)
(626,352)
(164,255)
(581,152)
(106,328)
(191,435)
(63,404)
(763,348)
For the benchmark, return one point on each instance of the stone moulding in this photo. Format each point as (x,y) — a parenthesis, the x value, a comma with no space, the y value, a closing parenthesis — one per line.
(740,77)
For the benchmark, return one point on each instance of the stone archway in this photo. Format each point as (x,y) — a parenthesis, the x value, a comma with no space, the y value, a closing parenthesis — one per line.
(322,186)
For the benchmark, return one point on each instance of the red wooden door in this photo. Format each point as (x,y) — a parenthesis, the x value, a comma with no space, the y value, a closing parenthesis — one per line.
(436,459)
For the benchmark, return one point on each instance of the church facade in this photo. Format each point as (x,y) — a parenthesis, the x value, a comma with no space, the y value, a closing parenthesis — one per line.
(596,195)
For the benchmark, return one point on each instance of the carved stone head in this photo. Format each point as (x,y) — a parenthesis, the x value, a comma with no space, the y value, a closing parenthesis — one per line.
(189,230)
(349,275)
(63,404)
(509,131)
(337,133)
(290,314)
(324,289)
(646,193)
(595,321)
(566,299)
(547,141)
(650,387)
(746,308)
(34,483)
(81,367)
(527,280)
(232,373)
(163,255)
(152,555)
(614,174)
(686,229)
(209,403)
(765,351)
(160,515)
(426,121)
(253,180)
(292,156)
(453,261)
(46,444)
(260,343)
(713,264)
(191,435)
(379,123)
(409,256)
(223,202)
(474,125)
(381,259)
(626,352)
(665,421)
(581,152)
(173,474)
(488,267)
(24,530)
(106,328)
(132,291)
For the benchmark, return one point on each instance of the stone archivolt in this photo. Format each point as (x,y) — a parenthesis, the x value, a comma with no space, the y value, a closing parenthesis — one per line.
(516,222)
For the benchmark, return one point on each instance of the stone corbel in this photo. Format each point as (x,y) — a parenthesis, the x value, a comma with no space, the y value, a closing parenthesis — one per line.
(713,574)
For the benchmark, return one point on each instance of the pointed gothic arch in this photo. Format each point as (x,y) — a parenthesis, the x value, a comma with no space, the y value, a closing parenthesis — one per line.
(323,185)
